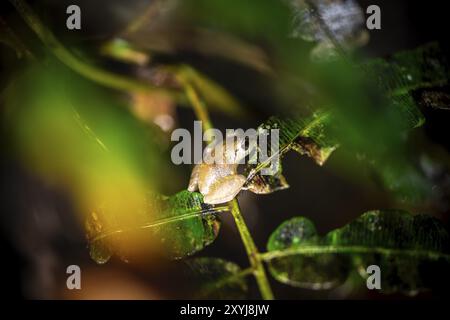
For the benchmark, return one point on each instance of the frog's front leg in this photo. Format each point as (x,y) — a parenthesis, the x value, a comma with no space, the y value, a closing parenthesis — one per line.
(193,182)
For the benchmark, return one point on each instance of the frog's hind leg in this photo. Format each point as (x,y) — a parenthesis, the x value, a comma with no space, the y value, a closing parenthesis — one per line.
(225,189)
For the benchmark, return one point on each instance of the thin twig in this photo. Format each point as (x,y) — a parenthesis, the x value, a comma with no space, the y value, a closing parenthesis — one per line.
(250,247)
(91,72)
(252,252)
(199,106)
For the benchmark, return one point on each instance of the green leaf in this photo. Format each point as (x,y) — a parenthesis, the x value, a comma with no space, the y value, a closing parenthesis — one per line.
(403,72)
(265,184)
(182,223)
(413,77)
(319,271)
(216,278)
(406,248)
(308,136)
(378,136)
(404,178)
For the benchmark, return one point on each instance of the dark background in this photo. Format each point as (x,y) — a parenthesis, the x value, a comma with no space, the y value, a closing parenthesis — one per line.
(35,253)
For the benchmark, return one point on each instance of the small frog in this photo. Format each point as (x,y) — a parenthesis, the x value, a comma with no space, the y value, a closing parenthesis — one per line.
(219,182)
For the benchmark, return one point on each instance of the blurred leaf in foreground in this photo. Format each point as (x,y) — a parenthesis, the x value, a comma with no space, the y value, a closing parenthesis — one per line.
(82,141)
(329,23)
(175,77)
(410,80)
(413,77)
(181,224)
(374,131)
(408,249)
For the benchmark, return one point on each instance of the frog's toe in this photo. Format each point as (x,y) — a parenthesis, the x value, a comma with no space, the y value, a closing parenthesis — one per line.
(192,186)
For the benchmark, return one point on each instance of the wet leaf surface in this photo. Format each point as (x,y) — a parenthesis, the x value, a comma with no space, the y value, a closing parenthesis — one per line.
(405,247)
(307,136)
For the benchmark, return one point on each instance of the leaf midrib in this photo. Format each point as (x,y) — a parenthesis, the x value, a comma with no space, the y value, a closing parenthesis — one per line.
(434,255)
(159,222)
(303,132)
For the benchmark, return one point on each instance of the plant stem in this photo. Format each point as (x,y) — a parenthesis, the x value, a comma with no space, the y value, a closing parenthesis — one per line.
(254,257)
(252,252)
(91,72)
(199,106)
